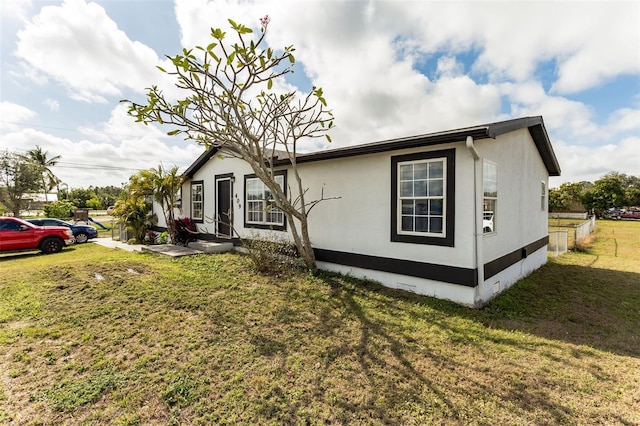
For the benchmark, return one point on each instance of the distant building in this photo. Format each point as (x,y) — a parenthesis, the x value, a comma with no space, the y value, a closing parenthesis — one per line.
(38,201)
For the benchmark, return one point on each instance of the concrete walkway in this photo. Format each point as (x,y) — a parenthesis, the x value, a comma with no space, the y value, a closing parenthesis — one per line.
(171,250)
(166,249)
(108,242)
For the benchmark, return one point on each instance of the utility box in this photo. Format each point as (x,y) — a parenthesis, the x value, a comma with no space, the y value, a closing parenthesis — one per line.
(81,215)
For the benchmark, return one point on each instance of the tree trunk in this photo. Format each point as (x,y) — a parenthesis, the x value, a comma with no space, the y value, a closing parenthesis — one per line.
(169,218)
(302,240)
(305,248)
(307,253)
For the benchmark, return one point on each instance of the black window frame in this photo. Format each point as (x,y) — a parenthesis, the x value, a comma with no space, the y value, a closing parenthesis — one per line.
(193,183)
(489,197)
(272,227)
(448,239)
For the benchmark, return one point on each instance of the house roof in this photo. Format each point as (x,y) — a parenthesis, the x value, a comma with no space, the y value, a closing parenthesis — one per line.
(535,125)
(41,197)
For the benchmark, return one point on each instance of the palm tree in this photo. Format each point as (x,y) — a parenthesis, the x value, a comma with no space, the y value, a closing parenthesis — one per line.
(39,157)
(165,186)
(134,213)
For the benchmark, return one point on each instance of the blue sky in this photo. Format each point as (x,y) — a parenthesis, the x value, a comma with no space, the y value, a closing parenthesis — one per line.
(388,69)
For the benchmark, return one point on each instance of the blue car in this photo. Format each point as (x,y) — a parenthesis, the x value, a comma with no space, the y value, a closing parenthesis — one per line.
(82,233)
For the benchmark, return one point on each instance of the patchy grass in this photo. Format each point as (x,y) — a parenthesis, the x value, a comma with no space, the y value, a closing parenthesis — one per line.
(93,335)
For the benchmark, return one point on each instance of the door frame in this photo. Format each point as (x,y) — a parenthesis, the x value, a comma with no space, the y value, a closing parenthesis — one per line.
(218,179)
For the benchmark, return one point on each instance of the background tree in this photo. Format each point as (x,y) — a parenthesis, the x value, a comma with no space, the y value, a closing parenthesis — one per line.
(133,210)
(18,176)
(63,193)
(231,105)
(630,185)
(555,200)
(61,209)
(49,179)
(79,197)
(164,186)
(632,197)
(99,197)
(606,192)
(134,213)
(626,181)
(95,203)
(568,197)
(107,195)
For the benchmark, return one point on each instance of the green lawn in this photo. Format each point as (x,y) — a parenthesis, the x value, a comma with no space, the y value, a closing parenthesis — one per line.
(99,336)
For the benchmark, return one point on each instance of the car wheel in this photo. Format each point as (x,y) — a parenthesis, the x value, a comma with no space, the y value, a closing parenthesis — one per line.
(82,238)
(50,245)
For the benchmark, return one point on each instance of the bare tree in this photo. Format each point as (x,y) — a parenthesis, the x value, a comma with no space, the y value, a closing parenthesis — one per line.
(232,106)
(18,176)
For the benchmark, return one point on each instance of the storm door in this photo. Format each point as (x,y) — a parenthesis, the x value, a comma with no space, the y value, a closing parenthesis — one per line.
(224,206)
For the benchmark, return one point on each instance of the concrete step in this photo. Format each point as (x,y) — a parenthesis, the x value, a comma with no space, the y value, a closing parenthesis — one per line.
(172,250)
(210,246)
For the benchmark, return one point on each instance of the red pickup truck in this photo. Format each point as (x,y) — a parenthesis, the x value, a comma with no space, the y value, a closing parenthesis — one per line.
(19,235)
(628,214)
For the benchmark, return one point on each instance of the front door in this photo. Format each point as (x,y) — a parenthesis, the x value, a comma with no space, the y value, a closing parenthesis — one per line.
(224,207)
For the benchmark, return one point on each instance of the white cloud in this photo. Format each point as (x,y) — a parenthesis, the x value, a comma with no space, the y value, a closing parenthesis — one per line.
(624,120)
(449,66)
(611,46)
(121,126)
(108,154)
(368,57)
(14,9)
(78,45)
(13,113)
(365,56)
(562,116)
(580,163)
(52,104)
(14,116)
(357,53)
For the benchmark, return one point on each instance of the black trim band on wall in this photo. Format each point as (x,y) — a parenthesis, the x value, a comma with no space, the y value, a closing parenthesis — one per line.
(500,264)
(449,274)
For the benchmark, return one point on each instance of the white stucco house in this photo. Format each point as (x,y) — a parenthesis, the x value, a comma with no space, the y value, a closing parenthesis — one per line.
(459,214)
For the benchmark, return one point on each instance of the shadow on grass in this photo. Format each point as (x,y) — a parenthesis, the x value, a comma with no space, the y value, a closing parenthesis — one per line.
(581,305)
(599,308)
(29,254)
(402,367)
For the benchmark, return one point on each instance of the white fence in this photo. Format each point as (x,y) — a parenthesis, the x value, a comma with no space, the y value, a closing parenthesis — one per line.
(562,240)
(567,215)
(584,229)
(558,242)
(119,233)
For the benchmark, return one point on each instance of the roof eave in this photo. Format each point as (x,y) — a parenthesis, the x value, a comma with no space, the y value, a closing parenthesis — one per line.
(200,161)
(390,145)
(538,132)
(535,125)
